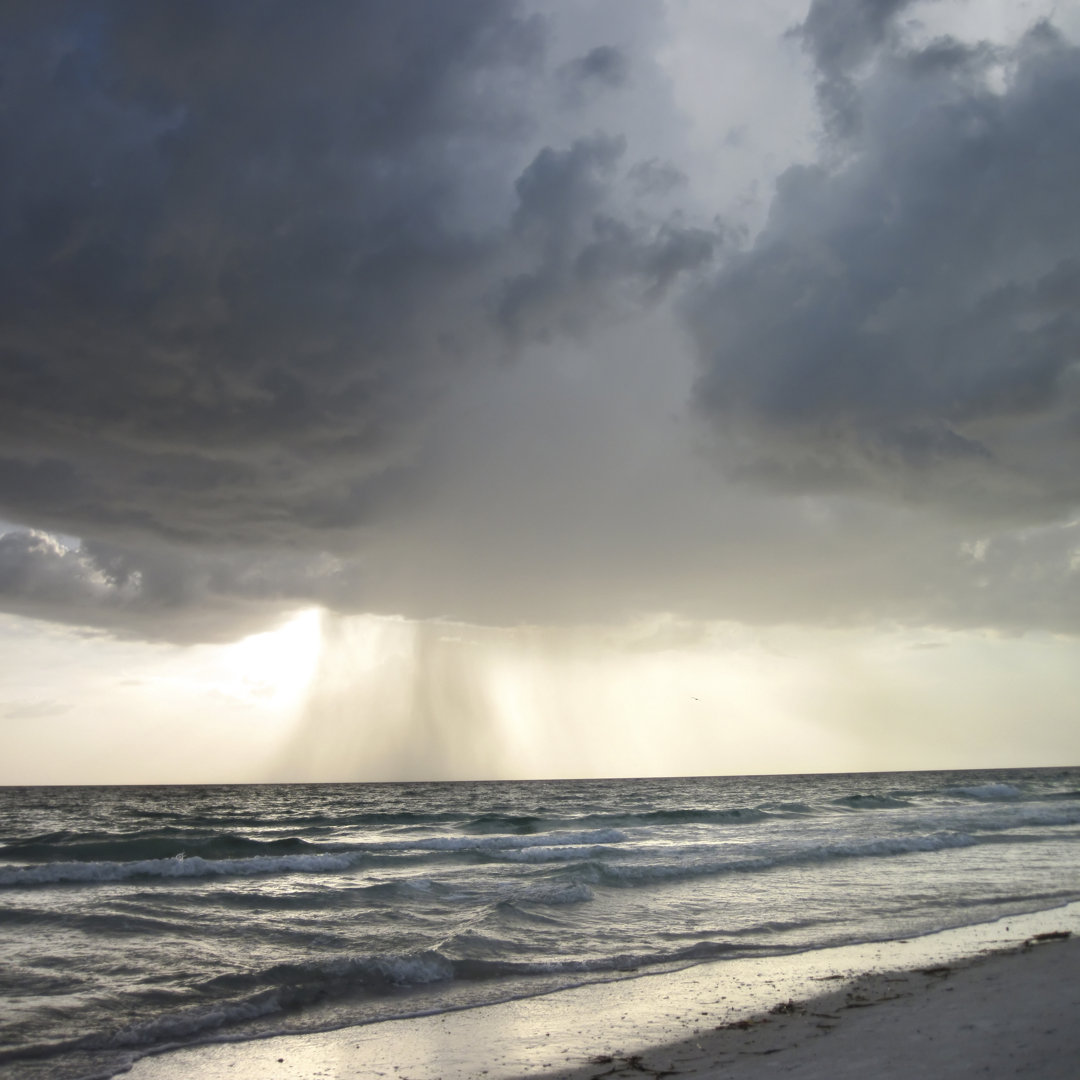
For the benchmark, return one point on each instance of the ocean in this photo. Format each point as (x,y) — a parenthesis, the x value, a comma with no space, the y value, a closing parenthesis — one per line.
(135,918)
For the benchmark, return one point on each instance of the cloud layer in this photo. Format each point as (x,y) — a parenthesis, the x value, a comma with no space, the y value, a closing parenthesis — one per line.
(906,325)
(443,310)
(243,250)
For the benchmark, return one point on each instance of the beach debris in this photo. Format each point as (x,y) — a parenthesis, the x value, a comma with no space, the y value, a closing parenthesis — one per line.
(1049,935)
(941,969)
(787,1008)
(632,1063)
(861,1001)
(742,1025)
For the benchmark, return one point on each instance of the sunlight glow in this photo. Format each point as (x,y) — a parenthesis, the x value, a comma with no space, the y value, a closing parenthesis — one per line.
(274,668)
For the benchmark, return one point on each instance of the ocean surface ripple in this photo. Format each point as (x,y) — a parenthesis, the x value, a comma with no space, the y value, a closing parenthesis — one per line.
(132,918)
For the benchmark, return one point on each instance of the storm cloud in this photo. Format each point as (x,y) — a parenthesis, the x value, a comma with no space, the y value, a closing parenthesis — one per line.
(243,250)
(455,311)
(906,325)
(247,250)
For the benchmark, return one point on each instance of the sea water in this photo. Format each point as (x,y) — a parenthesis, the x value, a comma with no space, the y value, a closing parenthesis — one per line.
(134,918)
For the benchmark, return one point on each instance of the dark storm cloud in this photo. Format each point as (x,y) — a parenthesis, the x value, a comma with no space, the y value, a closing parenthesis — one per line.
(840,36)
(906,324)
(359,307)
(655,177)
(561,197)
(245,248)
(602,68)
(240,245)
(604,64)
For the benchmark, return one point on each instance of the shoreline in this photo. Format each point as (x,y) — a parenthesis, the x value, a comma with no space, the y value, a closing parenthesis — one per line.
(1005,1014)
(721,1017)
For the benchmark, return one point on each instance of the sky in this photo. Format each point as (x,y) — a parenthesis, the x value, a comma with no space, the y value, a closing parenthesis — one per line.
(509,389)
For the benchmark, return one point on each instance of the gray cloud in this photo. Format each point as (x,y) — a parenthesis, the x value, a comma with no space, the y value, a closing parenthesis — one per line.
(604,67)
(241,247)
(245,252)
(655,177)
(361,309)
(841,36)
(35,567)
(164,591)
(605,64)
(906,324)
(583,250)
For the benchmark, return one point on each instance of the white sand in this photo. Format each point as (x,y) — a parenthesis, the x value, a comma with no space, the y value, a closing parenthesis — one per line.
(1006,1010)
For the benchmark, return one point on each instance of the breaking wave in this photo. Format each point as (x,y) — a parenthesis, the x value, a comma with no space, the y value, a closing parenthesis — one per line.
(339,859)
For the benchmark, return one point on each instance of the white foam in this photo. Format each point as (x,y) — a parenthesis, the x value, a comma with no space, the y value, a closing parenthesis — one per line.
(900,845)
(413,970)
(545,854)
(501,842)
(566,893)
(629,872)
(193,867)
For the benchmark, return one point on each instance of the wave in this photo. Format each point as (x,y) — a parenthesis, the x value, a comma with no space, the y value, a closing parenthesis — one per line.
(871,802)
(337,975)
(598,871)
(236,856)
(303,861)
(1034,817)
(735,815)
(505,823)
(1053,796)
(562,855)
(377,972)
(571,892)
(183,1025)
(500,843)
(166,844)
(986,791)
(899,799)
(405,832)
(195,867)
(92,847)
(286,988)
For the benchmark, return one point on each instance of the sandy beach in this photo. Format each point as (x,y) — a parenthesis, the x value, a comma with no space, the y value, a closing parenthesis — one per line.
(998,1000)
(1008,1015)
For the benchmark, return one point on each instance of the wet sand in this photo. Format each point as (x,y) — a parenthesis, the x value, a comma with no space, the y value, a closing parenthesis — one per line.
(990,1001)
